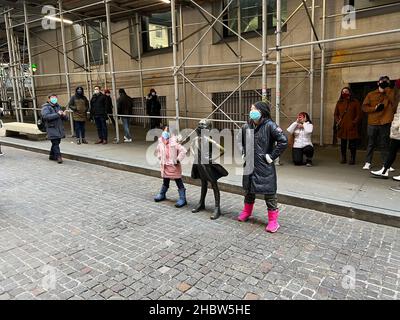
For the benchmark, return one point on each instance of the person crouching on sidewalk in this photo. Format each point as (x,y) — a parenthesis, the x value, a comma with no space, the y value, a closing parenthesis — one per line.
(171,153)
(260,136)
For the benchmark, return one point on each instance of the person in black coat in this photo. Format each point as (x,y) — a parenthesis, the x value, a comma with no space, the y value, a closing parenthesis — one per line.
(203,167)
(153,108)
(53,117)
(262,141)
(125,107)
(98,112)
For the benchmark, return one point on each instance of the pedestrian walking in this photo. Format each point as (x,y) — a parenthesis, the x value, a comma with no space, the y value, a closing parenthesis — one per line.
(53,117)
(262,142)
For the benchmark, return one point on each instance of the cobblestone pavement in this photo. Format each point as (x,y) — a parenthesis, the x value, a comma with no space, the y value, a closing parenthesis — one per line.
(79,231)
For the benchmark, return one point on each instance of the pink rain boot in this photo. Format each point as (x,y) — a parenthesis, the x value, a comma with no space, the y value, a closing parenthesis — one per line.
(273,224)
(246,212)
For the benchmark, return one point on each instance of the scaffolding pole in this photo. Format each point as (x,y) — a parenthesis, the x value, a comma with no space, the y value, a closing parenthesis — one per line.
(138,42)
(103,56)
(71,121)
(111,64)
(28,41)
(14,49)
(11,63)
(264,50)
(87,55)
(175,61)
(239,17)
(181,41)
(312,61)
(321,120)
(278,62)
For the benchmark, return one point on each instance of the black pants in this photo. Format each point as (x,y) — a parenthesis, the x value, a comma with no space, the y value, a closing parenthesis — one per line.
(393,148)
(299,153)
(179,183)
(101,125)
(271,200)
(378,136)
(352,146)
(55,148)
(154,123)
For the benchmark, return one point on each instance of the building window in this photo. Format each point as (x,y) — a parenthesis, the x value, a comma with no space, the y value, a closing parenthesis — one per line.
(364,4)
(232,107)
(251,16)
(96,43)
(156,31)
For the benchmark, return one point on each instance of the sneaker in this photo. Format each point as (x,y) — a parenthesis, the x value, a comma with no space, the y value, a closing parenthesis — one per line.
(59,160)
(367,166)
(391,169)
(104,141)
(380,173)
(84,141)
(396,178)
(1,154)
(308,163)
(127,140)
(98,141)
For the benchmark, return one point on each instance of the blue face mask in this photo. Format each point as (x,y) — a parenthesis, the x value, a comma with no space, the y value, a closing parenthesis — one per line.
(255,115)
(165,135)
(53,100)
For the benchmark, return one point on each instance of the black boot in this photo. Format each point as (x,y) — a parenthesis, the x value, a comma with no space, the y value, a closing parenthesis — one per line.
(201,205)
(217,210)
(352,157)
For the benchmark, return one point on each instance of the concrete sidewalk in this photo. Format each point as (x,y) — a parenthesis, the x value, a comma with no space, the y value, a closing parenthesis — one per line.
(327,186)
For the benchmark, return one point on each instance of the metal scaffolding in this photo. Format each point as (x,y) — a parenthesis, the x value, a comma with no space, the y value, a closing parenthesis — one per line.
(179,67)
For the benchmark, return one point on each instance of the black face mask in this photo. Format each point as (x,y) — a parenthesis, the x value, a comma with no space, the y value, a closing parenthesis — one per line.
(79,92)
(383,85)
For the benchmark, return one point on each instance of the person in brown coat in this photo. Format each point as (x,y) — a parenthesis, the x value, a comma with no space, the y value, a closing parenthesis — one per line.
(347,118)
(379,104)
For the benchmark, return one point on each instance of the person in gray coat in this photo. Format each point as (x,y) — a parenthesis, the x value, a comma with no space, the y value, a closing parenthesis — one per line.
(262,142)
(53,117)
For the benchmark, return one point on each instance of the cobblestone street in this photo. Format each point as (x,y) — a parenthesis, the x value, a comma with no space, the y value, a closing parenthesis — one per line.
(80,231)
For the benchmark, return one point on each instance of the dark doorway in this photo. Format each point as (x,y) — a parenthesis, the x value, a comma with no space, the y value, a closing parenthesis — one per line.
(360,91)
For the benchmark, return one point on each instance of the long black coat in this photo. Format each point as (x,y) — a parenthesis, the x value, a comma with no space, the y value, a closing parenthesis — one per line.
(53,121)
(261,178)
(99,105)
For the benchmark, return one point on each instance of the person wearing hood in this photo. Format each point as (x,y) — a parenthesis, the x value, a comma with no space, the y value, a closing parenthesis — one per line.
(53,117)
(153,108)
(261,142)
(98,111)
(347,119)
(380,107)
(125,108)
(79,105)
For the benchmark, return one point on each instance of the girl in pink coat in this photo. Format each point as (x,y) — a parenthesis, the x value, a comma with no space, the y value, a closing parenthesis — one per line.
(171,153)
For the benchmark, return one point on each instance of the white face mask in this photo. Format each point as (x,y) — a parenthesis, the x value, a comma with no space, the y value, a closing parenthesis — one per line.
(153,93)
(96,91)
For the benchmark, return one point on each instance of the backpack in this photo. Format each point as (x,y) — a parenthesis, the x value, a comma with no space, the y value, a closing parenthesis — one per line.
(41,124)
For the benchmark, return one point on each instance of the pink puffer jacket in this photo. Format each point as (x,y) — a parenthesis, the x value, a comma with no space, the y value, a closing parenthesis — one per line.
(170,154)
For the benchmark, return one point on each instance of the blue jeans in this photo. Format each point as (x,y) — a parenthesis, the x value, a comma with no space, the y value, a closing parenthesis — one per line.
(101,127)
(125,121)
(79,129)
